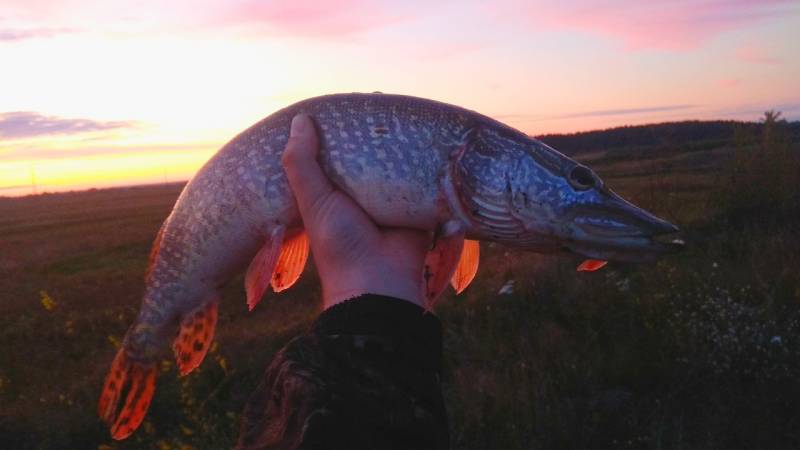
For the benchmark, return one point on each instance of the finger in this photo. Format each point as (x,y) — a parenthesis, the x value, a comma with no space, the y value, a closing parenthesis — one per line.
(309,183)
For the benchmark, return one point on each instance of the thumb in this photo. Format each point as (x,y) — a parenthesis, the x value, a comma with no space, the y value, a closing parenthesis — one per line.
(309,183)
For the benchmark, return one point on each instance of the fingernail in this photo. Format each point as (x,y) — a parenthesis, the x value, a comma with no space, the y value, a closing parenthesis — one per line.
(298,125)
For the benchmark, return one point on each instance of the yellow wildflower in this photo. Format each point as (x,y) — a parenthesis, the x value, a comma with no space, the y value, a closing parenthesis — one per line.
(47,301)
(114,341)
(166,365)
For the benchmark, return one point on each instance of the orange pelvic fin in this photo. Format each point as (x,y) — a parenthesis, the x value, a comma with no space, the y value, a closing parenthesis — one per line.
(441,261)
(467,265)
(590,265)
(142,380)
(291,262)
(259,273)
(195,336)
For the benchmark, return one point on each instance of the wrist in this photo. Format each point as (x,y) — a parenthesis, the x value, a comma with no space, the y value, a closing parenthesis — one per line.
(336,289)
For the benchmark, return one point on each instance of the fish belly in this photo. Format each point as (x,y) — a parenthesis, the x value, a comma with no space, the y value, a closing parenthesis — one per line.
(388,157)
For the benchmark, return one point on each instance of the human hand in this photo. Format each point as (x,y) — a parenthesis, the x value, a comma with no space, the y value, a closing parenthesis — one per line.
(353,255)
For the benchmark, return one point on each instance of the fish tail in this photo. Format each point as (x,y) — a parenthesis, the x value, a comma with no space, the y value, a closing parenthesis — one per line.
(140,381)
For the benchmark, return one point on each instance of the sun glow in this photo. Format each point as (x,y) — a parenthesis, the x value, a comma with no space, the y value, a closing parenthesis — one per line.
(29,176)
(92,94)
(181,99)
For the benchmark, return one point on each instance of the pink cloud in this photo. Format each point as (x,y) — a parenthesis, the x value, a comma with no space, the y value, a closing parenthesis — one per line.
(439,50)
(27,124)
(756,54)
(729,82)
(15,34)
(660,24)
(659,109)
(310,18)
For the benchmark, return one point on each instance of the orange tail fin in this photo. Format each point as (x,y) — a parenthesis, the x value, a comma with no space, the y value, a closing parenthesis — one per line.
(142,385)
(291,262)
(195,336)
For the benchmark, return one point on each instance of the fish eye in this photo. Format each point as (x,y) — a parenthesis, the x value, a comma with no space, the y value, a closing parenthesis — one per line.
(581,178)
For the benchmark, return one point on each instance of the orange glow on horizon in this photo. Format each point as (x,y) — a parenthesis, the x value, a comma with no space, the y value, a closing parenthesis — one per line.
(118,95)
(55,175)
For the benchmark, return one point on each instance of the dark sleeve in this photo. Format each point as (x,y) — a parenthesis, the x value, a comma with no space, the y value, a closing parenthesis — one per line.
(366,376)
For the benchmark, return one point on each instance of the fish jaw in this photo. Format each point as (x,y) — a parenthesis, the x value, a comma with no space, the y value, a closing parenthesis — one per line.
(611,228)
(610,231)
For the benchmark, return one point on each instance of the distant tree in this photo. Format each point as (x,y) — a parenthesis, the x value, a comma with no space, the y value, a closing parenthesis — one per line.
(772,128)
(772,117)
(764,172)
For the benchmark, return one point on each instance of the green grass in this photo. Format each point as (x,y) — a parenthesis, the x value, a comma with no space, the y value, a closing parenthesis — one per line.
(700,350)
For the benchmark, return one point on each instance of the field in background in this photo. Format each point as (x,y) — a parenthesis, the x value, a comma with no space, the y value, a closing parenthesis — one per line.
(700,350)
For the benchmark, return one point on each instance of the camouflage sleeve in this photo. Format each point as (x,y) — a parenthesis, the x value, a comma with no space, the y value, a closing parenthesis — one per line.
(366,376)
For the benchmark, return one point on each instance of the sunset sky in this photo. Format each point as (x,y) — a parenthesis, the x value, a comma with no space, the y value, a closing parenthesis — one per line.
(100,93)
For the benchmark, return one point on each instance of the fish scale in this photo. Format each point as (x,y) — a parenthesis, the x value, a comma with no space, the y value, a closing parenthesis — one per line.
(408,162)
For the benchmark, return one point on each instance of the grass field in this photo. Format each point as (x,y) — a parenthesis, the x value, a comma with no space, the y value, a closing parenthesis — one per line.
(700,350)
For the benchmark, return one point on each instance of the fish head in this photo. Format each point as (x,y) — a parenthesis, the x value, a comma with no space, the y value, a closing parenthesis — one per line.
(539,199)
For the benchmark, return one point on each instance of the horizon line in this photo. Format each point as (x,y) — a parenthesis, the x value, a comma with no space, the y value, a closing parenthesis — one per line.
(37,189)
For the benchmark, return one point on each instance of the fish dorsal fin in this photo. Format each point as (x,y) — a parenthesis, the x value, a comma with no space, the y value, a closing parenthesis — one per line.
(154,250)
(590,265)
(467,265)
(195,336)
(142,381)
(292,260)
(441,261)
(259,273)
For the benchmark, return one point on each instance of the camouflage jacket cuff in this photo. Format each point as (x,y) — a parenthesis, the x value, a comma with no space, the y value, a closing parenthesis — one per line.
(392,323)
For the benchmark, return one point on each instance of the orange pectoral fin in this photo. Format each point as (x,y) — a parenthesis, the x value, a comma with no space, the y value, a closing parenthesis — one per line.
(292,260)
(441,261)
(467,265)
(590,265)
(259,273)
(195,336)
(142,380)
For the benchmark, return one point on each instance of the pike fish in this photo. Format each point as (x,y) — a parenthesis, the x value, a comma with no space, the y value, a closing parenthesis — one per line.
(409,162)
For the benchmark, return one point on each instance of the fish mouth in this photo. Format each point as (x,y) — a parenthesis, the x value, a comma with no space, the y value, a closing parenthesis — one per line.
(628,249)
(616,230)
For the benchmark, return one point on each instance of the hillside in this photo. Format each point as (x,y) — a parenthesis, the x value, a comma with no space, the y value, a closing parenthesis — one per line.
(699,350)
(692,134)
